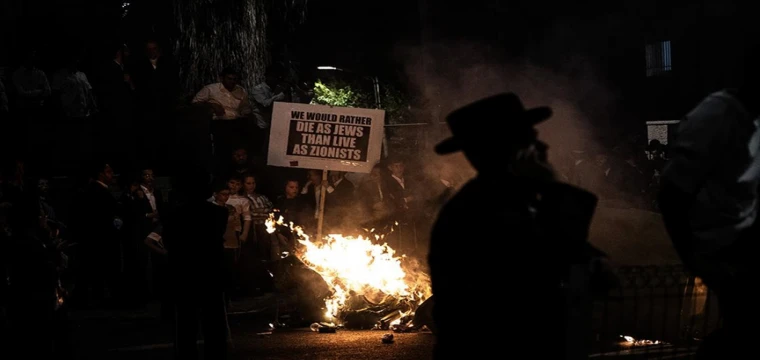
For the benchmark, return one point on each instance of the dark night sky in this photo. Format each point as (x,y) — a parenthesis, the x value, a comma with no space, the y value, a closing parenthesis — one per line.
(364,34)
(356,34)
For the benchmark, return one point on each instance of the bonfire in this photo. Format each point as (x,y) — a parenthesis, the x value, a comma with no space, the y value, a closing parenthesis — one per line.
(369,283)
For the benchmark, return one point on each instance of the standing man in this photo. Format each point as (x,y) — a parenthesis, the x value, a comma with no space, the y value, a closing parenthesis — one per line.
(156,81)
(545,227)
(230,109)
(709,202)
(265,95)
(101,222)
(193,232)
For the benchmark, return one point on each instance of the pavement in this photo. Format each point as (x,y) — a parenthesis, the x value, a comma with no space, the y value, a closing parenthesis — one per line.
(663,352)
(303,344)
(141,334)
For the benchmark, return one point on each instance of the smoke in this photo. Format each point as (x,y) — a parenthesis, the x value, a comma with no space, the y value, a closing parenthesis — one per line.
(449,75)
(452,74)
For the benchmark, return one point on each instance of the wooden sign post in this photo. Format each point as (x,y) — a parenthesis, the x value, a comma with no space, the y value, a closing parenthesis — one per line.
(322,197)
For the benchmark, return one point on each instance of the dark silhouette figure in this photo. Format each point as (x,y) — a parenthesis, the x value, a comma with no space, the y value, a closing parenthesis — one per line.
(32,284)
(193,231)
(99,226)
(535,226)
(709,202)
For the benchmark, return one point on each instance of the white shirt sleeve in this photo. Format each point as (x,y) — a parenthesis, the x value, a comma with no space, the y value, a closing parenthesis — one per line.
(203,95)
(246,209)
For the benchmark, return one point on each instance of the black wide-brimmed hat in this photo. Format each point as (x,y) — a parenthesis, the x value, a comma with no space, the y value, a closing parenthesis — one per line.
(499,118)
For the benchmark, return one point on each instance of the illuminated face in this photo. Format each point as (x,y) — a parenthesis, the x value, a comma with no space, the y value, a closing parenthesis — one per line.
(230,81)
(291,189)
(234,186)
(250,185)
(147,176)
(315,177)
(397,169)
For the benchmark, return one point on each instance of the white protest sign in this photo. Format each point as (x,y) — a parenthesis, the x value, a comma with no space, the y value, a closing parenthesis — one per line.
(324,137)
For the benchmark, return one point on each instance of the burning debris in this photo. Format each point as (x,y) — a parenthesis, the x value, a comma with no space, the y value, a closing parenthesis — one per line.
(324,328)
(631,341)
(370,287)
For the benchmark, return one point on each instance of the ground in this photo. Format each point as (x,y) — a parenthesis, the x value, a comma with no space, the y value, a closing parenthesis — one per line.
(141,334)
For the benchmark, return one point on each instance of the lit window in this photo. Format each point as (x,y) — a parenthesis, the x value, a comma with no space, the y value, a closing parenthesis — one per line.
(658,58)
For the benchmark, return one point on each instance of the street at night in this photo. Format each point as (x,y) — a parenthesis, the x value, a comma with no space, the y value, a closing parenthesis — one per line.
(142,335)
(389,180)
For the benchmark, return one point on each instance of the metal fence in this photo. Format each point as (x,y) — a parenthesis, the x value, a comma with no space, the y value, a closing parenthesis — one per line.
(657,312)
(412,138)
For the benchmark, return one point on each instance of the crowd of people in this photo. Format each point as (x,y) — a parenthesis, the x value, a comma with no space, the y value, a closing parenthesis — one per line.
(117,237)
(624,176)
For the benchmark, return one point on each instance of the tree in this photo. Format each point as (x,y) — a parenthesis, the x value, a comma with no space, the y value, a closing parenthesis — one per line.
(213,34)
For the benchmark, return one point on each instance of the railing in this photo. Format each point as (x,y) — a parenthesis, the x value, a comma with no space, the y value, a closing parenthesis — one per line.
(412,138)
(657,312)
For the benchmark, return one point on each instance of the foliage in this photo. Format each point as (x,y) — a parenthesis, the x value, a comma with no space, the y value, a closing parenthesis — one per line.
(334,92)
(334,96)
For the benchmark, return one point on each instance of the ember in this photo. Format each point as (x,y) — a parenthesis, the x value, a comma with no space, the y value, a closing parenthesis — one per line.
(371,287)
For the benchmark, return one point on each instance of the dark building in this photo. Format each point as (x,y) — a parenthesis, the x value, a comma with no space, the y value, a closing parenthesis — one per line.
(665,56)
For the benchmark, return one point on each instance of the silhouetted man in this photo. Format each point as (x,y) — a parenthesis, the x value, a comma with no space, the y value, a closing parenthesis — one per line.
(193,233)
(535,228)
(340,200)
(156,80)
(101,222)
(709,202)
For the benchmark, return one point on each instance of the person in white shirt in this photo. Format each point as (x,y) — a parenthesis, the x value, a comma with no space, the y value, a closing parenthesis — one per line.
(227,99)
(230,111)
(265,95)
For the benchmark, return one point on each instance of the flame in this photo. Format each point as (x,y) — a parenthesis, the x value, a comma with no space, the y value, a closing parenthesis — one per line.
(359,266)
(630,340)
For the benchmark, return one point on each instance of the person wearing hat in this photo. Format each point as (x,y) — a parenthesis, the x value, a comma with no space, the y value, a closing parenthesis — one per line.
(534,237)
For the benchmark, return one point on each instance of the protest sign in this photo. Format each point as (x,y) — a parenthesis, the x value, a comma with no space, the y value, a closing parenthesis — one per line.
(325,137)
